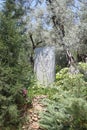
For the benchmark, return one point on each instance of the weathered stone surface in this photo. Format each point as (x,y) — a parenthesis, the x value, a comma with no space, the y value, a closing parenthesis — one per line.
(44,65)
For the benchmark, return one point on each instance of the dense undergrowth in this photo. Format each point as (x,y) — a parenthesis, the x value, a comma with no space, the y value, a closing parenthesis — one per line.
(15,71)
(66,102)
(67,108)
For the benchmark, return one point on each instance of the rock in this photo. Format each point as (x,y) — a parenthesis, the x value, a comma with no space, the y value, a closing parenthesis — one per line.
(35,119)
(38,108)
(23,127)
(35,116)
(35,125)
(30,110)
(44,65)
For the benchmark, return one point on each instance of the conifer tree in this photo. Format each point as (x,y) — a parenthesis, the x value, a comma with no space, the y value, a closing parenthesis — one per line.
(13,70)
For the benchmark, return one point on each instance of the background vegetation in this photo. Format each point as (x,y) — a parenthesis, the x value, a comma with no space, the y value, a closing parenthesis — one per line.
(26,25)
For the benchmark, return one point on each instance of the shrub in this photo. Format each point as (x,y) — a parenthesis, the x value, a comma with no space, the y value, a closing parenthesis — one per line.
(83,69)
(65,114)
(67,109)
(11,96)
(14,71)
(61,74)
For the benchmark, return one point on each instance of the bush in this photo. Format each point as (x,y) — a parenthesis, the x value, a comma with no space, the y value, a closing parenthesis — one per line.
(61,74)
(67,109)
(83,69)
(65,114)
(14,71)
(36,90)
(12,99)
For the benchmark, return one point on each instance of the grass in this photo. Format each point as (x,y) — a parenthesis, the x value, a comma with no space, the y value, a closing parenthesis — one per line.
(40,90)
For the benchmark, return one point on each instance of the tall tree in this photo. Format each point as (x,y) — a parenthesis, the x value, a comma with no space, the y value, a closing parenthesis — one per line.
(62,19)
(77,34)
(65,30)
(14,72)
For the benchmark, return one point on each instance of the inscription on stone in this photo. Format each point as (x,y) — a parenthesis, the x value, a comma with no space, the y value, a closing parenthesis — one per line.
(44,65)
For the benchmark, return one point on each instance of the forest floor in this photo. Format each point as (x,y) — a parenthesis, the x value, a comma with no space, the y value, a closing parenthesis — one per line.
(33,114)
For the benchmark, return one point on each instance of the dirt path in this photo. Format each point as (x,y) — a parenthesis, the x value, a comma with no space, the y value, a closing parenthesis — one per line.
(33,114)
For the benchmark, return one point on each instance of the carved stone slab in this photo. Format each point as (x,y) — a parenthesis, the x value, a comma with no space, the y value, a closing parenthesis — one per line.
(44,65)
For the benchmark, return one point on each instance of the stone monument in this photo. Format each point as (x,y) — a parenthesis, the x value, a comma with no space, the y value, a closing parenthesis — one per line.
(44,65)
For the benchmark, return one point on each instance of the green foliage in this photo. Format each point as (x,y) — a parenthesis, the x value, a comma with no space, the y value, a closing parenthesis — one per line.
(67,109)
(36,90)
(83,69)
(58,68)
(82,66)
(69,113)
(61,74)
(14,70)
